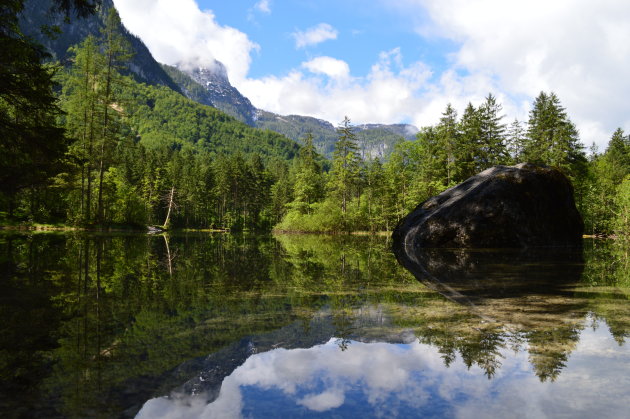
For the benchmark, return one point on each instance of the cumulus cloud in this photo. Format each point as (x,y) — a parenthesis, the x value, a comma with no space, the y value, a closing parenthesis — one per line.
(315,35)
(177,31)
(391,92)
(577,49)
(331,67)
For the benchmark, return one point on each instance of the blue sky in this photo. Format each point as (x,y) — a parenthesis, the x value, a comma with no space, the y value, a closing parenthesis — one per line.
(390,61)
(362,33)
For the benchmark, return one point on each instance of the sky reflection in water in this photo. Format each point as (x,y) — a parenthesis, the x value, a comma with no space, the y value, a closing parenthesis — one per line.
(384,380)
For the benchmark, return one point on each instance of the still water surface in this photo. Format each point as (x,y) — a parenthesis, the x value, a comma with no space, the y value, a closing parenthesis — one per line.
(217,325)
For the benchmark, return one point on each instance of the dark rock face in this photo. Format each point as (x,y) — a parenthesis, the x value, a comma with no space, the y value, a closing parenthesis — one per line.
(502,207)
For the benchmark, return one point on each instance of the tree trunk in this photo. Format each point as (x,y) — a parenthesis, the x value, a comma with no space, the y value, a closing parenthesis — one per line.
(170,207)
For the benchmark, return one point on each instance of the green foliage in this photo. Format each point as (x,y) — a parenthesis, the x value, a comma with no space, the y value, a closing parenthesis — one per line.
(87,317)
(604,205)
(374,196)
(141,154)
(344,179)
(622,203)
(32,144)
(164,118)
(552,137)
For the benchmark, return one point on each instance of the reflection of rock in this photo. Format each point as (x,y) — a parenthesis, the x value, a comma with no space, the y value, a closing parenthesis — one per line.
(528,290)
(476,276)
(516,206)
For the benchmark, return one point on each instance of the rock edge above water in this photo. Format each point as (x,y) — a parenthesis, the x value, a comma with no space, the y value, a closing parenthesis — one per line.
(502,207)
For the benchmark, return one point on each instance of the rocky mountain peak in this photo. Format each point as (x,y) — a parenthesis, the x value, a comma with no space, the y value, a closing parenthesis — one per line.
(221,93)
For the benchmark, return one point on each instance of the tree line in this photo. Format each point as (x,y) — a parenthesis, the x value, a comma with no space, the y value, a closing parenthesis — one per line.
(360,194)
(127,153)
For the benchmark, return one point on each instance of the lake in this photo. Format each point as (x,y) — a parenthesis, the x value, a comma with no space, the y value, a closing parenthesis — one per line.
(221,325)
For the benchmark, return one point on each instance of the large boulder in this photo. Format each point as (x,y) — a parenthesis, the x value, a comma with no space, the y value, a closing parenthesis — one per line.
(504,206)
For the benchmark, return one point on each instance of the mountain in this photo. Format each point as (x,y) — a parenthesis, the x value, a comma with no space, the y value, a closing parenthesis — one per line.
(375,140)
(36,14)
(207,85)
(211,86)
(162,118)
(155,107)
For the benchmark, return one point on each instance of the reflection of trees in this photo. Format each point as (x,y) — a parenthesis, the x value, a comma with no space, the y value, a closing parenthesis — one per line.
(511,300)
(549,349)
(531,295)
(118,322)
(606,284)
(29,274)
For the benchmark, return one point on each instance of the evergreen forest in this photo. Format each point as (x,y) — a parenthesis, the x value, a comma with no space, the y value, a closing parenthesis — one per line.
(85,144)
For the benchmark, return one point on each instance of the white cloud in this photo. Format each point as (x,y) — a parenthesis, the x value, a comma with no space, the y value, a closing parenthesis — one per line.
(576,48)
(263,6)
(382,379)
(515,49)
(177,31)
(389,93)
(331,67)
(315,35)
(324,401)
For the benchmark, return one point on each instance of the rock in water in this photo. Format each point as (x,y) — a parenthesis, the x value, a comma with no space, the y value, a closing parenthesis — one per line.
(503,206)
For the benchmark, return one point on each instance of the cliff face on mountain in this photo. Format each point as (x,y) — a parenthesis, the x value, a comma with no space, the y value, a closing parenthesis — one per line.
(36,14)
(211,86)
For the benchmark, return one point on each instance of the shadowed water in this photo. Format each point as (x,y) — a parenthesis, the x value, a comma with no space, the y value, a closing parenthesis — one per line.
(246,326)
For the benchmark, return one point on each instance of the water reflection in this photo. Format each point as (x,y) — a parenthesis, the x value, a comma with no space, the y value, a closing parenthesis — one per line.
(377,379)
(99,324)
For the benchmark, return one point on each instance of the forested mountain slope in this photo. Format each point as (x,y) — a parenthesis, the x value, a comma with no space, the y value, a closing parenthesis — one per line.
(162,117)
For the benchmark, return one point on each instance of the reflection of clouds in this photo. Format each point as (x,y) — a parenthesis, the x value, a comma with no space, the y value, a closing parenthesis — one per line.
(327,400)
(381,379)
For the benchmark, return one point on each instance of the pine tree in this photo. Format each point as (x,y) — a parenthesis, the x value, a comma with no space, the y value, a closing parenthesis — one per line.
(83,122)
(116,53)
(491,143)
(31,145)
(308,183)
(617,157)
(448,142)
(376,199)
(346,167)
(470,129)
(515,141)
(552,138)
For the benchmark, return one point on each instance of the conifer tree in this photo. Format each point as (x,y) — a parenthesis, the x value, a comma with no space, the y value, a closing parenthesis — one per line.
(345,174)
(470,129)
(490,148)
(448,142)
(552,138)
(308,185)
(376,199)
(617,157)
(31,144)
(83,122)
(116,54)
(515,141)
